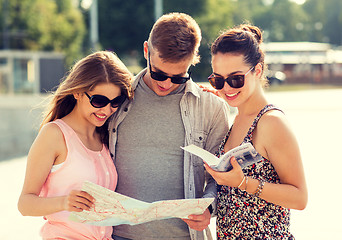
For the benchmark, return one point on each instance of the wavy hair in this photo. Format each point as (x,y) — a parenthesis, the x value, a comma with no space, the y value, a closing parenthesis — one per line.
(96,68)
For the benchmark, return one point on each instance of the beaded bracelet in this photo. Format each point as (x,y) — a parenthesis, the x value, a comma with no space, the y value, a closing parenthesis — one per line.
(259,189)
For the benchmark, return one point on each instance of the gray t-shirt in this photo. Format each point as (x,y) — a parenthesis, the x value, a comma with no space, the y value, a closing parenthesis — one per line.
(149,159)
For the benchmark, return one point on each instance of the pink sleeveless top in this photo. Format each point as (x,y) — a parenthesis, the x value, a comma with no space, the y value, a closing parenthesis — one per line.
(81,164)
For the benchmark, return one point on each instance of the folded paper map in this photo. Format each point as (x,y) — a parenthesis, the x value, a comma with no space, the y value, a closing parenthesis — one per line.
(111,208)
(245,155)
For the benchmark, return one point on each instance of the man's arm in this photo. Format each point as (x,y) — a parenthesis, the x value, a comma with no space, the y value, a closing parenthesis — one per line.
(218,131)
(199,222)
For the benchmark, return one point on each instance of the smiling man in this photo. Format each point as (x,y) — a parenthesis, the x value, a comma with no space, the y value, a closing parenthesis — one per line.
(168,111)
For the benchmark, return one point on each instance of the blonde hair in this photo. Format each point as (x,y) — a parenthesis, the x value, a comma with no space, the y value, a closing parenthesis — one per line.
(96,68)
(176,37)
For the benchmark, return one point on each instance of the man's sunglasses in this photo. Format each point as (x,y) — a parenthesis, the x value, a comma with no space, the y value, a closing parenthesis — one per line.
(235,81)
(99,101)
(162,77)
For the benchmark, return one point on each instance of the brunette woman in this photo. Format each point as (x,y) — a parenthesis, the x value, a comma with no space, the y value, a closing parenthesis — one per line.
(255,202)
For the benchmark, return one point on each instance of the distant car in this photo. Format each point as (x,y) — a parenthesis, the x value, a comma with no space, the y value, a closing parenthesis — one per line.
(276,77)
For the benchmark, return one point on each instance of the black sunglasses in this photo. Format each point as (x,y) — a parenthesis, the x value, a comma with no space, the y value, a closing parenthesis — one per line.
(99,101)
(235,81)
(162,77)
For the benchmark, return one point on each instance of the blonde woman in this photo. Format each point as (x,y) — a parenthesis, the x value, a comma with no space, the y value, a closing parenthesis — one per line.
(72,147)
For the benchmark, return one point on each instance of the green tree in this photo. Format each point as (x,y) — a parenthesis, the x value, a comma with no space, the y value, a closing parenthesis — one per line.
(282,21)
(325,20)
(245,10)
(194,8)
(45,26)
(217,16)
(125,25)
(315,9)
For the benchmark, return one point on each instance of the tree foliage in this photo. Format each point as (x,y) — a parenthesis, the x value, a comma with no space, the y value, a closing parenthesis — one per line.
(272,18)
(45,26)
(325,22)
(211,25)
(58,25)
(125,25)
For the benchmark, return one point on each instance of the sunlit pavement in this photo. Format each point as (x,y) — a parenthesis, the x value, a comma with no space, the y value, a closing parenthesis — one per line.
(315,117)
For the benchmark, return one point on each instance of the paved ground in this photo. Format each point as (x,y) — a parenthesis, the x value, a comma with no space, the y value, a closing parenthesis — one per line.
(316,118)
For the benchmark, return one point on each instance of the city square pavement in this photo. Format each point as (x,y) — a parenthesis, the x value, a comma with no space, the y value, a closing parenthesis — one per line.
(315,117)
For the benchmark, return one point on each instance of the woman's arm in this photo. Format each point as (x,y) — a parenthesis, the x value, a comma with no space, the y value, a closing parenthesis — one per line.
(281,148)
(48,147)
(275,141)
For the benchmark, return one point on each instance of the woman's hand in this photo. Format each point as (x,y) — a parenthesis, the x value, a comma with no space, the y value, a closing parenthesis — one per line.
(232,178)
(77,201)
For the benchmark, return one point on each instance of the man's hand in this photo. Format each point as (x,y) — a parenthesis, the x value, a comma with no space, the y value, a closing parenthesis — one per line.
(199,222)
(209,89)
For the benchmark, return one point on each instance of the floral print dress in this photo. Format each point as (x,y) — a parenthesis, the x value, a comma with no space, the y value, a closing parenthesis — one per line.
(243,216)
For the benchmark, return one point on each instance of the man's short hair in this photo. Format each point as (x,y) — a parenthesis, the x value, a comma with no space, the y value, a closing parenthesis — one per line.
(176,37)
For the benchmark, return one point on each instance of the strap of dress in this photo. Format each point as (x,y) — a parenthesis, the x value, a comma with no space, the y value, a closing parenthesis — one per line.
(267,108)
(65,128)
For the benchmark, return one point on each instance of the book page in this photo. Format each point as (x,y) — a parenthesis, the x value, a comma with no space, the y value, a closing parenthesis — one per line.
(207,157)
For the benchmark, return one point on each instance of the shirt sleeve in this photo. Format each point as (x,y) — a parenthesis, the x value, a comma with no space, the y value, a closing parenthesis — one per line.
(218,130)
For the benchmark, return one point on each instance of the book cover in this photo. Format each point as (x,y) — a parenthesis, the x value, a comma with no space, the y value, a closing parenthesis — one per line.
(245,155)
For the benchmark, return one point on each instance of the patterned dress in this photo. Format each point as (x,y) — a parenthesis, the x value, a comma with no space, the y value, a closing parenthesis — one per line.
(242,216)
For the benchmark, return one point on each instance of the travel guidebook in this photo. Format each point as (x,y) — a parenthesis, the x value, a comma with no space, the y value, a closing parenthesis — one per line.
(112,209)
(245,155)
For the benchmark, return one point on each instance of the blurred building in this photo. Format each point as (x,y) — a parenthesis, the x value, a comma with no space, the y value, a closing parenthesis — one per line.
(305,62)
(24,76)
(30,72)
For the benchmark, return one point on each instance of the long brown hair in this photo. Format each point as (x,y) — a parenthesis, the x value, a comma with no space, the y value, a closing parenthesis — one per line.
(96,68)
